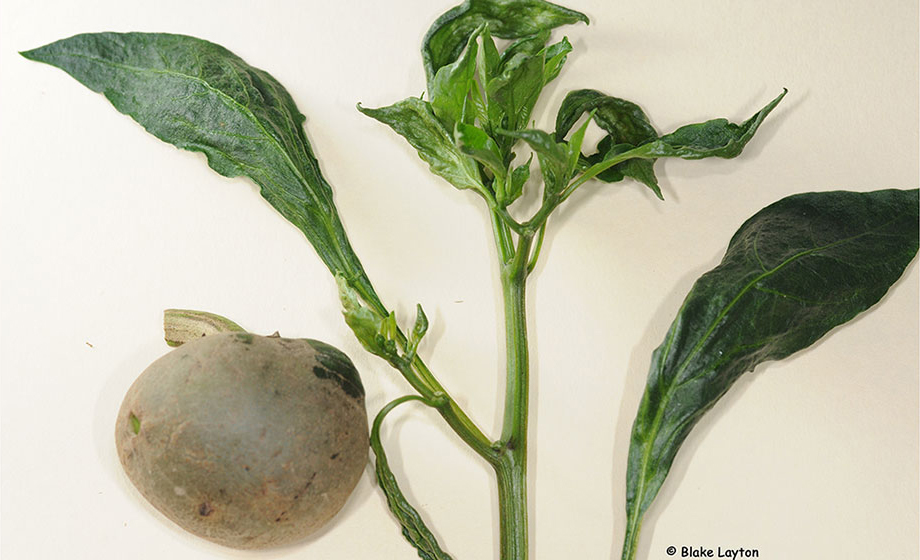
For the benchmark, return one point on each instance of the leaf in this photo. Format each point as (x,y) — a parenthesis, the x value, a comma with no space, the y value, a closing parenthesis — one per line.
(626,125)
(624,121)
(413,119)
(792,272)
(573,147)
(555,57)
(375,333)
(553,157)
(413,527)
(451,86)
(420,327)
(515,83)
(519,178)
(715,138)
(475,143)
(513,93)
(201,97)
(524,47)
(507,19)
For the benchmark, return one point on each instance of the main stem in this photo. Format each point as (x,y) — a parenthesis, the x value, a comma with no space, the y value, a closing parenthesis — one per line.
(511,466)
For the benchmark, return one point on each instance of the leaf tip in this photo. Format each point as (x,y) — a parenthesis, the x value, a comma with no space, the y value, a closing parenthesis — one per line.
(31,54)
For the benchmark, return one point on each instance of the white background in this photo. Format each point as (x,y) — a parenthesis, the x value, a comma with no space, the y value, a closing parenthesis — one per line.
(103,227)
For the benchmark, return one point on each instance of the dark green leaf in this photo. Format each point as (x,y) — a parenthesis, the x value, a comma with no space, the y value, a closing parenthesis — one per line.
(626,125)
(413,119)
(715,138)
(507,19)
(475,143)
(451,86)
(792,272)
(642,170)
(201,97)
(413,527)
(624,121)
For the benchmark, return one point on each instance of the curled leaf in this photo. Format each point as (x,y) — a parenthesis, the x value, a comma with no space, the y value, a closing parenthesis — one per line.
(792,272)
(199,96)
(507,19)
(413,527)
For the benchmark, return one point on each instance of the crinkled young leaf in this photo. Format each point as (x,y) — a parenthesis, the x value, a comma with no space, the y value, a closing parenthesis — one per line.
(375,333)
(507,19)
(413,527)
(413,119)
(555,58)
(474,142)
(626,125)
(421,325)
(573,148)
(515,84)
(201,97)
(553,156)
(519,178)
(488,58)
(451,86)
(513,93)
(792,272)
(522,48)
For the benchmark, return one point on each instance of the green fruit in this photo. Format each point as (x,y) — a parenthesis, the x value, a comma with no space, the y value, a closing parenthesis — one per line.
(244,440)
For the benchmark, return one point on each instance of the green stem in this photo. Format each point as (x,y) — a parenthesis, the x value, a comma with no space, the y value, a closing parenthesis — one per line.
(455,417)
(511,472)
(511,469)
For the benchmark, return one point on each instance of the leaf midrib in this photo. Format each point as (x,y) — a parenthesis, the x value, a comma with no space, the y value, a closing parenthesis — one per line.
(243,109)
(656,424)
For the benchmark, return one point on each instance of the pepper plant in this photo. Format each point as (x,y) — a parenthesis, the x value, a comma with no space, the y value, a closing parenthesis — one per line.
(791,273)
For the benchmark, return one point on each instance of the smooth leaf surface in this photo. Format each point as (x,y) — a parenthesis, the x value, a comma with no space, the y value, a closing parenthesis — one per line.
(201,97)
(792,272)
(506,19)
(413,119)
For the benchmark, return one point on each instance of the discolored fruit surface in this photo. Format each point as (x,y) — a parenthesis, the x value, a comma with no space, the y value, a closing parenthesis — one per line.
(244,440)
